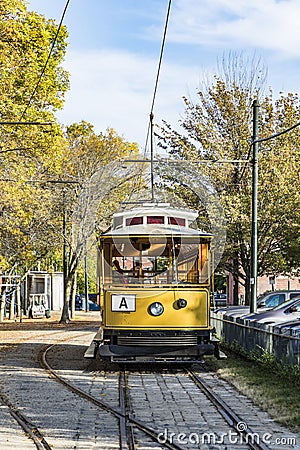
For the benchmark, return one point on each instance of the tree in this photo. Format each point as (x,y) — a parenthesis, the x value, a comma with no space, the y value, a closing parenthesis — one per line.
(218,128)
(99,182)
(30,90)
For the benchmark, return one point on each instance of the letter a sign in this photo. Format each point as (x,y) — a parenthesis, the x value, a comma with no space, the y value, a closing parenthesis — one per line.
(123,303)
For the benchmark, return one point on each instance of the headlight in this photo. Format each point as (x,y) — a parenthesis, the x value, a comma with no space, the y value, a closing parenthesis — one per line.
(156,309)
(181,303)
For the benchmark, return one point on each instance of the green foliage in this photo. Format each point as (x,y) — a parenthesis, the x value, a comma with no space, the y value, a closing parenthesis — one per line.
(275,392)
(71,173)
(269,362)
(26,153)
(99,182)
(218,128)
(28,156)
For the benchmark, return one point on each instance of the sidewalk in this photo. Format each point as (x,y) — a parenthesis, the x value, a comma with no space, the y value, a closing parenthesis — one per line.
(10,329)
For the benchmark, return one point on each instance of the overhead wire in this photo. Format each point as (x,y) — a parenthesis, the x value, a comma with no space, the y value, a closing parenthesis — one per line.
(158,71)
(280,133)
(268,138)
(47,60)
(154,96)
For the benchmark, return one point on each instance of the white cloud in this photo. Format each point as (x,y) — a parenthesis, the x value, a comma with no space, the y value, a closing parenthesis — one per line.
(268,24)
(115,89)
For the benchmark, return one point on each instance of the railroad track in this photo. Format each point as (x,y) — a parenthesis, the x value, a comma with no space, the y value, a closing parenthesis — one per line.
(127,421)
(237,423)
(28,427)
(32,432)
(140,402)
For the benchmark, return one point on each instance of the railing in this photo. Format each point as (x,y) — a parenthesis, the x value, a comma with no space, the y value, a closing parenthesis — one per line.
(256,336)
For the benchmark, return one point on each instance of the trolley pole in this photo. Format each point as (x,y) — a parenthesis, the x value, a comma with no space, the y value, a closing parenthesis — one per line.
(151,158)
(253,279)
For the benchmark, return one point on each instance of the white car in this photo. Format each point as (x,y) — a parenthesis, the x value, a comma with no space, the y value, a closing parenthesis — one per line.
(289,310)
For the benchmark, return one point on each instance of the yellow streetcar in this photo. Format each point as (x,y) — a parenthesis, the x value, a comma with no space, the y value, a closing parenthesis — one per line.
(154,279)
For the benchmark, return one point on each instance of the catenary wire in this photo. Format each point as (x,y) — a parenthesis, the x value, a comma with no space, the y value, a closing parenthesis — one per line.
(158,71)
(46,63)
(156,83)
(268,138)
(257,141)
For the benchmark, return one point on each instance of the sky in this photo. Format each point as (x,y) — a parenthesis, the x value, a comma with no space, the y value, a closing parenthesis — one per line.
(114,48)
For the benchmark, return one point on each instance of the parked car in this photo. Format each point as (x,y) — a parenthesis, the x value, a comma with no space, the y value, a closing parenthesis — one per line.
(93,306)
(264,302)
(80,303)
(289,328)
(275,298)
(220,300)
(289,310)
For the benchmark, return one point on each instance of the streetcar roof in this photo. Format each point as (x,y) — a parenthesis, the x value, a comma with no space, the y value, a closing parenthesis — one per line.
(156,231)
(155,219)
(156,209)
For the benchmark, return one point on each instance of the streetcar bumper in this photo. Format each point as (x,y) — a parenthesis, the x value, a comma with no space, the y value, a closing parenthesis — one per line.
(195,353)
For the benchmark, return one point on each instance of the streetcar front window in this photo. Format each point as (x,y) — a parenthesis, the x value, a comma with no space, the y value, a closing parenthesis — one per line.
(154,260)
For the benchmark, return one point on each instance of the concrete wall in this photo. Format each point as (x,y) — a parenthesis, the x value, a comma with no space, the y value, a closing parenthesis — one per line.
(57,291)
(286,347)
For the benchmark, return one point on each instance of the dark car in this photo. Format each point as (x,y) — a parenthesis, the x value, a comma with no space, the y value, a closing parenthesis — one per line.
(79,302)
(93,306)
(276,298)
(220,300)
(290,328)
(289,310)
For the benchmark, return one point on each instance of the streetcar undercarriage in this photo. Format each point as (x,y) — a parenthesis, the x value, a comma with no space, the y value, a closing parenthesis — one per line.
(156,346)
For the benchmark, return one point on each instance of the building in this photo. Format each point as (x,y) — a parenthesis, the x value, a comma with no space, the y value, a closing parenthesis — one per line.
(264,284)
(44,283)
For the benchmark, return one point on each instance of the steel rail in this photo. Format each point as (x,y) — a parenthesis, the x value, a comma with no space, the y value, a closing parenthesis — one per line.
(126,432)
(228,414)
(30,429)
(117,412)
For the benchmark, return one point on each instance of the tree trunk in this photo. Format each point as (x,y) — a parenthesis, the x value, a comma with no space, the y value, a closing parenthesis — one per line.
(2,305)
(235,273)
(69,293)
(65,316)
(247,291)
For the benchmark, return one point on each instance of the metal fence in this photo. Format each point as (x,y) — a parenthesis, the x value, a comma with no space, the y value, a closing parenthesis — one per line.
(284,345)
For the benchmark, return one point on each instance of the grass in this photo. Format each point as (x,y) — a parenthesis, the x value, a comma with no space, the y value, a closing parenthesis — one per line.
(273,390)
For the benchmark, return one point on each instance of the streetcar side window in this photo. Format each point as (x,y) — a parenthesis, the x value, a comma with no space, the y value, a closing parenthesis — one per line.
(134,221)
(155,219)
(176,221)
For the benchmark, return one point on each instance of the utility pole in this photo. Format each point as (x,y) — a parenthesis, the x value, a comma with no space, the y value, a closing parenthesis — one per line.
(253,279)
(65,314)
(86,282)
